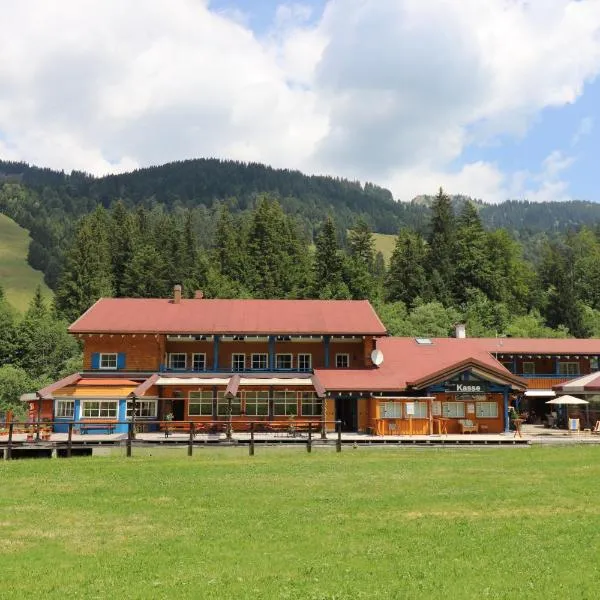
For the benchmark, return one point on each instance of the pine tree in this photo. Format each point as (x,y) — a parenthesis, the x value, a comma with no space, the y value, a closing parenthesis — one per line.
(87,274)
(328,265)
(229,249)
(273,253)
(144,275)
(442,248)
(7,330)
(122,239)
(361,244)
(472,266)
(406,278)
(37,308)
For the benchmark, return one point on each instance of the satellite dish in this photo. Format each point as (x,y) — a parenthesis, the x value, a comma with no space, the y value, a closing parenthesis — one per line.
(377,357)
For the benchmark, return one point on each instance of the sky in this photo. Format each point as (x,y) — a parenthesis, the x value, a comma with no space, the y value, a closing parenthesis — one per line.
(494,99)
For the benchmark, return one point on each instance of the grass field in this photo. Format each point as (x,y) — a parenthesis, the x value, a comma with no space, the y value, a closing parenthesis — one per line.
(389,523)
(17,278)
(385,243)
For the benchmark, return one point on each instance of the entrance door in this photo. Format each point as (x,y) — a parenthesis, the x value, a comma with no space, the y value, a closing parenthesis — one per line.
(346,411)
(178,410)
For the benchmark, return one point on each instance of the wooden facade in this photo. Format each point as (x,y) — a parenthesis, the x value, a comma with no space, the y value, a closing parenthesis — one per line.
(316,363)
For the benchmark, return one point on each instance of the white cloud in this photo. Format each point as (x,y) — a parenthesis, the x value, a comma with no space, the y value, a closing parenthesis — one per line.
(387,90)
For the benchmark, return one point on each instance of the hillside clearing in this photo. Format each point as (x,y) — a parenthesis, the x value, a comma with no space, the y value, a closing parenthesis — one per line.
(17,278)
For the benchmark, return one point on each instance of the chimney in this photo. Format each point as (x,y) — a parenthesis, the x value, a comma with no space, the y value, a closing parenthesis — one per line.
(460,331)
(177,294)
(199,294)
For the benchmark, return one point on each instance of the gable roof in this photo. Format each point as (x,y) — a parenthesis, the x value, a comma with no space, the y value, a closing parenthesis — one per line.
(242,317)
(408,364)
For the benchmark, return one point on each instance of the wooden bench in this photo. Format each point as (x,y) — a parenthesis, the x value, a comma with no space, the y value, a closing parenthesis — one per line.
(467,426)
(87,427)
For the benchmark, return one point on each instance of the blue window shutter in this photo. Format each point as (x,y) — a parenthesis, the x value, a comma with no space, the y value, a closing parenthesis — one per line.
(95,360)
(121,360)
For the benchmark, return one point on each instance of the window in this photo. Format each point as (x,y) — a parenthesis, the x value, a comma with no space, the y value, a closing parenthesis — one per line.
(453,409)
(304,362)
(64,409)
(593,363)
(424,341)
(486,410)
(238,362)
(283,361)
(223,405)
(143,408)
(312,406)
(528,368)
(420,411)
(177,361)
(100,409)
(257,403)
(259,361)
(568,368)
(285,403)
(342,361)
(391,410)
(199,362)
(108,361)
(200,404)
(508,365)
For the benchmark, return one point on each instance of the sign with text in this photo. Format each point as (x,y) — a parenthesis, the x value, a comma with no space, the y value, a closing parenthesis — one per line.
(467,387)
(410,409)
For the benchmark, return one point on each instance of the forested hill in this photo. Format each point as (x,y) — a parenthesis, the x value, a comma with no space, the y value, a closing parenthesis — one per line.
(192,183)
(48,203)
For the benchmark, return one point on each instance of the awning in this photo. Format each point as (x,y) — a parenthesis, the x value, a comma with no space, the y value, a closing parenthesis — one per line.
(540,394)
(276,381)
(192,380)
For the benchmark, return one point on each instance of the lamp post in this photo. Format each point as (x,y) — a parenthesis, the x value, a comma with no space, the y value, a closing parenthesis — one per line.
(230,398)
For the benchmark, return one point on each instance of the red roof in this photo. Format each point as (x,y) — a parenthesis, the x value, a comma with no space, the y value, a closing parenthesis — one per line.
(406,363)
(510,345)
(244,317)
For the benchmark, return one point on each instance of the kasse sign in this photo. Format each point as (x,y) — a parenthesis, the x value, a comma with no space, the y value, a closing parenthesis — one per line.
(468,387)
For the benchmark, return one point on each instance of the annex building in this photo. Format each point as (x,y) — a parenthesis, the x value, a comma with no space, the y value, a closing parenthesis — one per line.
(268,361)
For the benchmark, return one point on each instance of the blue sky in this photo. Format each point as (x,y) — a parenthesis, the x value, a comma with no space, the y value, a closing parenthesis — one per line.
(497,99)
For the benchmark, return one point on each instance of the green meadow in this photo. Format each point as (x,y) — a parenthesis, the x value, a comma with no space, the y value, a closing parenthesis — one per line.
(366,523)
(384,243)
(17,278)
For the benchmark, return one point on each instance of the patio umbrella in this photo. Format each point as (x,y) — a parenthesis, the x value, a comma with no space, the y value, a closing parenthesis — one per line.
(570,400)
